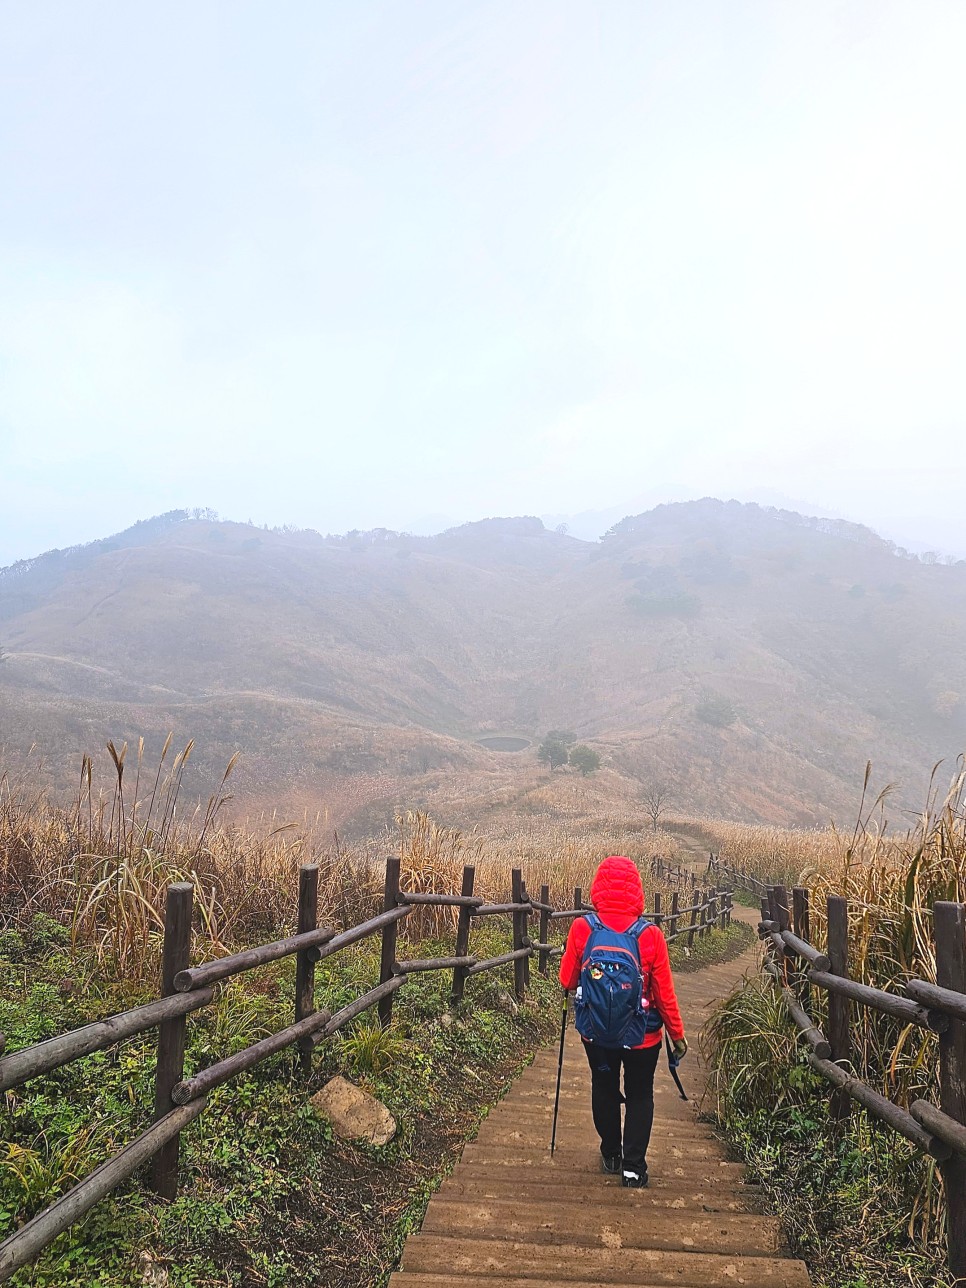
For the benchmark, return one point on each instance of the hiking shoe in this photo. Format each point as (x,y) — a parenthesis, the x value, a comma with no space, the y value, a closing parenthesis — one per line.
(634,1180)
(610,1163)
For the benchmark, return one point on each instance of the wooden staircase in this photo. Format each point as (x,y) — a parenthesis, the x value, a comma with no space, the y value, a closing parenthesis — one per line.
(508,1217)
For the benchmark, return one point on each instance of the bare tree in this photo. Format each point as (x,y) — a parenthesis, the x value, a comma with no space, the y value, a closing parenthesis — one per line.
(657,801)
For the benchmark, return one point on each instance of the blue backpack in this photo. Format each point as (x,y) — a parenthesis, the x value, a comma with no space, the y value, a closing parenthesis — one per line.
(612,1007)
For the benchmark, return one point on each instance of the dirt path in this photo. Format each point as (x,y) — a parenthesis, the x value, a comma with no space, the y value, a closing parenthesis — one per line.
(510,1218)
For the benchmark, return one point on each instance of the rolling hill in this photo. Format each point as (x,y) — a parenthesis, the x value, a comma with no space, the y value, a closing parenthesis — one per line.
(752,659)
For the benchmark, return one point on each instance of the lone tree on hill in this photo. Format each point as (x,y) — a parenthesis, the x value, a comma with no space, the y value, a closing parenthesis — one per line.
(552,751)
(584,758)
(657,801)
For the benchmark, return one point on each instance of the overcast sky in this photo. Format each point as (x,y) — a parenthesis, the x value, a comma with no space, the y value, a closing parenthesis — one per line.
(354,264)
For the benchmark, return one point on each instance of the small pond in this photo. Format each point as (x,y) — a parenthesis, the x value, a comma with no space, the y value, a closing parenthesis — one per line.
(501,743)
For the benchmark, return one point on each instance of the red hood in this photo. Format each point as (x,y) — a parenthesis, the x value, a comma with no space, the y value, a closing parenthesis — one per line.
(617,888)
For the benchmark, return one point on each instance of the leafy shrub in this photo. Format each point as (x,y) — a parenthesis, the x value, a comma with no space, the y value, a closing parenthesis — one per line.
(369,1048)
(584,758)
(553,752)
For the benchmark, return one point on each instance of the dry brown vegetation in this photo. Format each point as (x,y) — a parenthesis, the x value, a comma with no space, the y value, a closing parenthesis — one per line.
(891,882)
(100,863)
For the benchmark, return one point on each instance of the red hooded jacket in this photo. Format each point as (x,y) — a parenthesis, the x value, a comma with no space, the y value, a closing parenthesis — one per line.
(618,897)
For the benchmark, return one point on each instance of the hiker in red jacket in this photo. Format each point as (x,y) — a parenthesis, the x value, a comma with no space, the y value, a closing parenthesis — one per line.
(618,898)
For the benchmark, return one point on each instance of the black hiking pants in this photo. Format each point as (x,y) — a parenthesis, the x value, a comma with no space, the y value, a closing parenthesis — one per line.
(605,1072)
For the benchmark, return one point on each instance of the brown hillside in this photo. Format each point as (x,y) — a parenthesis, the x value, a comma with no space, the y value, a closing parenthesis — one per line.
(752,658)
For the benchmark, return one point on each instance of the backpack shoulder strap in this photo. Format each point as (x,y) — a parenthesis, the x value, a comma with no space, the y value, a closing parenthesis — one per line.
(593,921)
(635,931)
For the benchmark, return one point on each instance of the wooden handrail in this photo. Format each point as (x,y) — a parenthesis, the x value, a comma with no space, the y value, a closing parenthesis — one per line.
(881,1107)
(503,960)
(249,959)
(801,948)
(944,1000)
(231,1066)
(876,998)
(440,900)
(941,1125)
(19,1066)
(431,963)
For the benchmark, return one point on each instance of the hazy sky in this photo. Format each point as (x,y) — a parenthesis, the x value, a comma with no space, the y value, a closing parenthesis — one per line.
(351,264)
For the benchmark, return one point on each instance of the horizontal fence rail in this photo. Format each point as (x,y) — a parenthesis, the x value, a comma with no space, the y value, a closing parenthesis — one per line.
(185,988)
(936,1130)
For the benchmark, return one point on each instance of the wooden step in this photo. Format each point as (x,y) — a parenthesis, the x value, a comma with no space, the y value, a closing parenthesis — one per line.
(512,1173)
(679,1230)
(507,1262)
(587,1159)
(541,1111)
(661,1147)
(478,1185)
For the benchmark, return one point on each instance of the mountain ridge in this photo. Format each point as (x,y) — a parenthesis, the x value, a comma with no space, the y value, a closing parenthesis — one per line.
(752,658)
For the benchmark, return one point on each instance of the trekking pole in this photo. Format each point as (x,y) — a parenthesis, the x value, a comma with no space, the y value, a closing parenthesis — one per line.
(556,1101)
(672,1064)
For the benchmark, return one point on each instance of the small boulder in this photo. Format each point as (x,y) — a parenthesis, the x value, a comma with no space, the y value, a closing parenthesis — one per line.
(153,1273)
(353,1113)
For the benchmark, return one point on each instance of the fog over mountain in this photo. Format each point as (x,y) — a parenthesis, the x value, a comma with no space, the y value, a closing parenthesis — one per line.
(751,658)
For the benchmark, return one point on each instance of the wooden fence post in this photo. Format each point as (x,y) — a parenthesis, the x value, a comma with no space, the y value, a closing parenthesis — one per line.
(802,928)
(176,956)
(308,919)
(711,913)
(950,929)
(657,918)
(578,897)
(772,896)
(516,896)
(800,923)
(463,923)
(390,934)
(695,901)
(525,919)
(544,959)
(675,911)
(839,1007)
(781,907)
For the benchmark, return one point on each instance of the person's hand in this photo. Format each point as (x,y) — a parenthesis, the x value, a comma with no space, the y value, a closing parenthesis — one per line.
(680,1048)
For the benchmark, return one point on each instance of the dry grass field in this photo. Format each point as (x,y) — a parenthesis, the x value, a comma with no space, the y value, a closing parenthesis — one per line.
(100,861)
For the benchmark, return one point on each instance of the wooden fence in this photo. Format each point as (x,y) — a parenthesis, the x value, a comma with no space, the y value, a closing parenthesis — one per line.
(673,873)
(185,988)
(937,1130)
